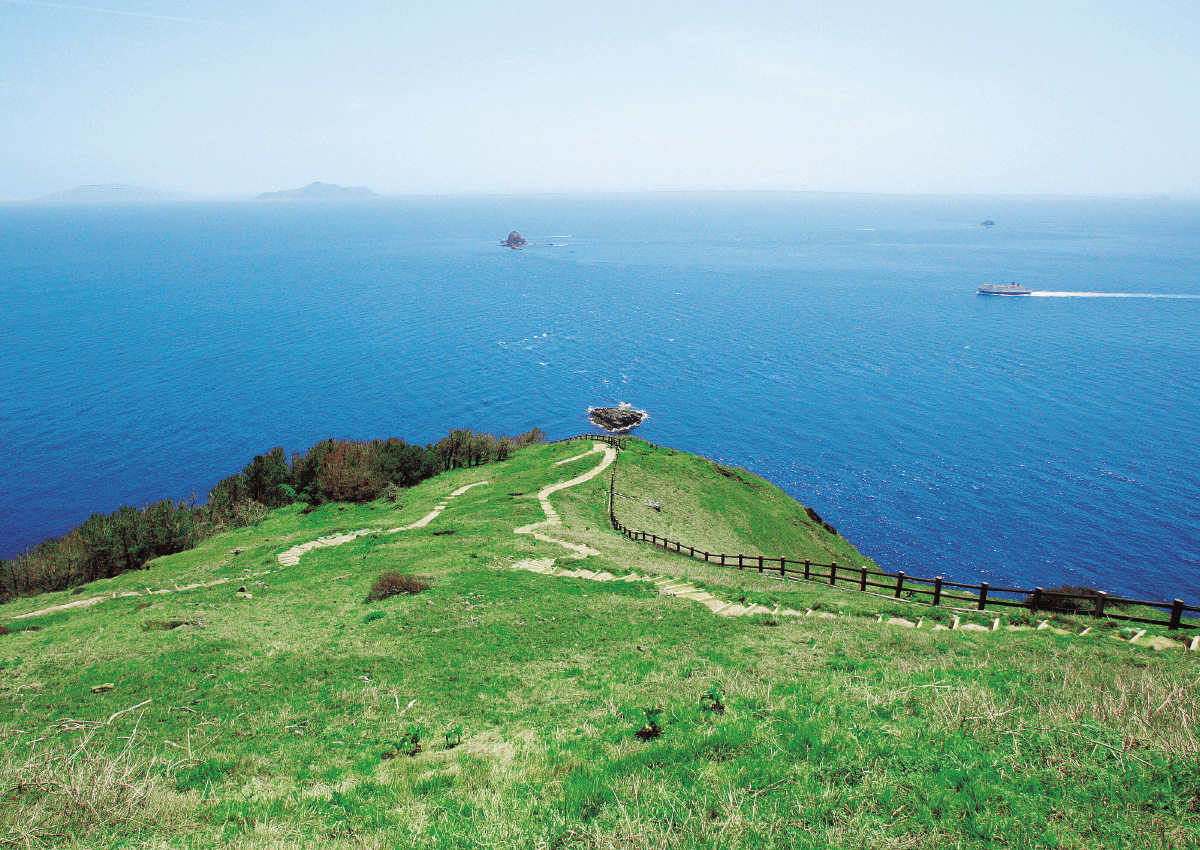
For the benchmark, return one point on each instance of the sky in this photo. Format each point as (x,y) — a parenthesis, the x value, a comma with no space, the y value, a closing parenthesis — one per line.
(235,97)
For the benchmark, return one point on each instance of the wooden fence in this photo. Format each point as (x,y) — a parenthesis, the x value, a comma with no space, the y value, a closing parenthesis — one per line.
(934,591)
(615,442)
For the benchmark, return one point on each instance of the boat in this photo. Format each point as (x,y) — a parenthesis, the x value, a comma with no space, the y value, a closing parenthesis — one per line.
(1004,289)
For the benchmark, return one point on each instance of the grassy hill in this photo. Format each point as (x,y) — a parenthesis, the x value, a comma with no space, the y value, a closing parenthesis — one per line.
(281,717)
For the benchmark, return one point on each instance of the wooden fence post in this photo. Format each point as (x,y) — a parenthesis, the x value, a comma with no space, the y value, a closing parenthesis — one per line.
(937,591)
(1036,603)
(739,560)
(899,583)
(1100,597)
(760,562)
(862,580)
(782,567)
(722,559)
(1176,614)
(706,557)
(983,588)
(807,564)
(833,574)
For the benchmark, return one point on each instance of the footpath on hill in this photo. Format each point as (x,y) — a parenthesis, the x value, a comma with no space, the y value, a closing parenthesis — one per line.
(667,585)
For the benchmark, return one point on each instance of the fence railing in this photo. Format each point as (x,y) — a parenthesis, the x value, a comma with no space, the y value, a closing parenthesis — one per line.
(900,585)
(615,442)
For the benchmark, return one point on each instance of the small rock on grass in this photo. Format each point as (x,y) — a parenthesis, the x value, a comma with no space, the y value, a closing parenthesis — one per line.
(99,689)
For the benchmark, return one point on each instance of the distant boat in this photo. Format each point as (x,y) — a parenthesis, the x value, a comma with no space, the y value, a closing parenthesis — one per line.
(987,223)
(1004,289)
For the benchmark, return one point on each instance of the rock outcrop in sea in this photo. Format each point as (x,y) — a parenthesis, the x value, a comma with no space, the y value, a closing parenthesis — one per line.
(616,420)
(515,240)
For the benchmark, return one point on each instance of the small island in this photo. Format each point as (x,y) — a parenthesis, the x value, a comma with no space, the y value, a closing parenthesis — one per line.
(514,241)
(319,192)
(987,222)
(110,193)
(616,420)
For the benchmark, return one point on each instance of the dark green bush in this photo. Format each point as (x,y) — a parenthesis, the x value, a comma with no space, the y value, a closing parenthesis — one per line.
(403,465)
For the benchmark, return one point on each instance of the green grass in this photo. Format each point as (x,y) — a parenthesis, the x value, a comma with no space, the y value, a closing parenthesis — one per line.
(282,720)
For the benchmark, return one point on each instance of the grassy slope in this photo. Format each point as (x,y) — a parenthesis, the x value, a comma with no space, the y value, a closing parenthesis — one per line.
(838,733)
(755,516)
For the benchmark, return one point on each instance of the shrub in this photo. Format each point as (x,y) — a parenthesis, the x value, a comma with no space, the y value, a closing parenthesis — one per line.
(374,615)
(266,477)
(349,474)
(530,438)
(402,465)
(1063,599)
(467,448)
(393,583)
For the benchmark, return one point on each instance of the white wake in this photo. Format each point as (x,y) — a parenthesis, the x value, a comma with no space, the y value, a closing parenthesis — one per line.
(1046,294)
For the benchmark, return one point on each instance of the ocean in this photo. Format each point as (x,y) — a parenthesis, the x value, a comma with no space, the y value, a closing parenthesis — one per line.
(833,344)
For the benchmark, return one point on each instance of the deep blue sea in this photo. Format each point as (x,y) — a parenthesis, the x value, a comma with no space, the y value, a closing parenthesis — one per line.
(833,344)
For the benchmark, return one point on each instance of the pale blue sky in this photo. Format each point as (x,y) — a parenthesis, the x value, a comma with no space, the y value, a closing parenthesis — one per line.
(216,96)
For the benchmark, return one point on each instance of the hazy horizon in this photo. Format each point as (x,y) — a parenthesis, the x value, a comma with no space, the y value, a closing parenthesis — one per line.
(213,98)
(175,195)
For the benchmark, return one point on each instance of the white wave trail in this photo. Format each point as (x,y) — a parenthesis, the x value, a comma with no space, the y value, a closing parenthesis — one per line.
(1047,294)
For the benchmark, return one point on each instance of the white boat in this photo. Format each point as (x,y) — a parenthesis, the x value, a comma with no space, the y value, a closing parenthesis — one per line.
(1004,289)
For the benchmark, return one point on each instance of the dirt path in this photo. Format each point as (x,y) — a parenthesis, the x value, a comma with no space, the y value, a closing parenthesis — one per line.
(577,550)
(666,585)
(96,600)
(292,556)
(672,586)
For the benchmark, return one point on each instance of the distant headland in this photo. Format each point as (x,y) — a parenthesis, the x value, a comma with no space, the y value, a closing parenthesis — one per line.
(319,192)
(110,192)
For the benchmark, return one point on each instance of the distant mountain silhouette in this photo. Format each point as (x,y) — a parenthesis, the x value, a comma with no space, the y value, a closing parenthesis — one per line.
(319,192)
(109,192)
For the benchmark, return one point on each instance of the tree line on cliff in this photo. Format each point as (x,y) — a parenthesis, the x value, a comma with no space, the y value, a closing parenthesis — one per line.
(106,545)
